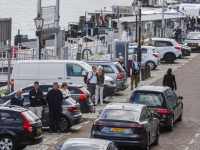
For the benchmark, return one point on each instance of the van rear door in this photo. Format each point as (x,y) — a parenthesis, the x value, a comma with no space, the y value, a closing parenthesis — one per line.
(50,72)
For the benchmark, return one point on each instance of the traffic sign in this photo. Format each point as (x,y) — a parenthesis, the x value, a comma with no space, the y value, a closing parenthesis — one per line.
(110,36)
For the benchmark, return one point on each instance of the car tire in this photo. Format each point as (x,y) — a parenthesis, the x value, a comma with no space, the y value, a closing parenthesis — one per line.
(64,124)
(169,58)
(157,136)
(5,140)
(151,64)
(148,143)
(171,126)
(181,116)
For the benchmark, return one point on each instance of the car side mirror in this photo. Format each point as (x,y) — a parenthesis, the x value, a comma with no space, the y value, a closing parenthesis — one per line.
(180,97)
(100,111)
(156,115)
(84,73)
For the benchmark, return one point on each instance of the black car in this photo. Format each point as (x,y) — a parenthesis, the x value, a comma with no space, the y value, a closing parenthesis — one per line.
(186,51)
(78,93)
(193,41)
(19,127)
(70,116)
(162,101)
(127,125)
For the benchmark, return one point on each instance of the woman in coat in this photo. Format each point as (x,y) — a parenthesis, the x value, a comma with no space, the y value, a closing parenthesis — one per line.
(169,80)
(99,85)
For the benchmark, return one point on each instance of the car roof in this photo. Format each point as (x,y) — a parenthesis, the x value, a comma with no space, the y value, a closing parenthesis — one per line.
(152,88)
(95,144)
(101,61)
(162,39)
(125,106)
(13,108)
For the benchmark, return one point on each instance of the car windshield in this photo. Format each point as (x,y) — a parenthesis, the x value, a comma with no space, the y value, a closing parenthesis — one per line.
(148,99)
(30,116)
(120,68)
(119,114)
(193,36)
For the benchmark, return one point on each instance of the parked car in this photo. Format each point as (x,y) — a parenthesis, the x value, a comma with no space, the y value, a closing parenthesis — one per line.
(193,41)
(113,70)
(127,125)
(49,71)
(71,114)
(79,93)
(186,51)
(160,100)
(168,49)
(19,128)
(149,56)
(87,144)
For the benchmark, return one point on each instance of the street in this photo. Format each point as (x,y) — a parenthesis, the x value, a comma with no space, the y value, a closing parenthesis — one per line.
(185,135)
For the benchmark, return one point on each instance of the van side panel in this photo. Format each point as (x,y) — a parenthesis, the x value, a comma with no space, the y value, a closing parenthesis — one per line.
(25,74)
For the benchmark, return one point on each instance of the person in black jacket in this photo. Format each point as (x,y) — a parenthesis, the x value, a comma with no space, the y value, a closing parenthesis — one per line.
(18,99)
(169,80)
(36,97)
(54,99)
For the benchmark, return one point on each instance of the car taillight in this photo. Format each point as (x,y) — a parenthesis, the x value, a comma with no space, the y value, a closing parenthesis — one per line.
(12,82)
(71,109)
(177,47)
(155,55)
(136,139)
(83,97)
(119,76)
(27,126)
(162,111)
(137,126)
(98,124)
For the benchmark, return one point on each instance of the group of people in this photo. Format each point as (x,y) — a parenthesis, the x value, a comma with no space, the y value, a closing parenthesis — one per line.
(54,100)
(192,23)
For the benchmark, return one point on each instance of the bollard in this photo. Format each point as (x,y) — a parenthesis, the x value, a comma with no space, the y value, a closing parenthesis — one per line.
(142,74)
(146,73)
(148,70)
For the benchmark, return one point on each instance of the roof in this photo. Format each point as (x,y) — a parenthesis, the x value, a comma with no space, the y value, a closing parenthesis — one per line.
(125,106)
(13,108)
(151,88)
(144,18)
(94,144)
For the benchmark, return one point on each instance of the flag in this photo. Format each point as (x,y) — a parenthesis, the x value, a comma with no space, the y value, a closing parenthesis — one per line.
(101,18)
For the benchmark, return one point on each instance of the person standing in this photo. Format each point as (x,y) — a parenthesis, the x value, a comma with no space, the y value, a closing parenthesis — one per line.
(121,61)
(187,22)
(36,97)
(169,80)
(18,99)
(148,30)
(193,22)
(142,42)
(150,43)
(134,71)
(92,81)
(177,34)
(64,90)
(99,86)
(43,42)
(54,99)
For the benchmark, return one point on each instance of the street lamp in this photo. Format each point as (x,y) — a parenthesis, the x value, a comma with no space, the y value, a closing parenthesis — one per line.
(136,10)
(39,21)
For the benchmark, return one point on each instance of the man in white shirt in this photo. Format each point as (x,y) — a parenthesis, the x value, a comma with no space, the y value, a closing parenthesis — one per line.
(134,71)
(92,81)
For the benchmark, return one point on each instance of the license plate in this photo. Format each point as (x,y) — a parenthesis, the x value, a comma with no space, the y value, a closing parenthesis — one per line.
(117,130)
(39,129)
(193,47)
(151,111)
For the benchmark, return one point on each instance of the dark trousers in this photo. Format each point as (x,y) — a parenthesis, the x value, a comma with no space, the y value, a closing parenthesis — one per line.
(54,116)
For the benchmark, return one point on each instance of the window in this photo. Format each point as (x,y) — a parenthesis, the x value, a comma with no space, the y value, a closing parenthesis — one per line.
(163,43)
(46,88)
(30,116)
(107,69)
(74,70)
(120,68)
(171,97)
(132,51)
(144,50)
(8,115)
(72,90)
(27,90)
(26,101)
(143,115)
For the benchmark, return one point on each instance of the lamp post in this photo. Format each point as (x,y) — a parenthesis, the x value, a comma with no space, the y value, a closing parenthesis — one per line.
(39,21)
(136,10)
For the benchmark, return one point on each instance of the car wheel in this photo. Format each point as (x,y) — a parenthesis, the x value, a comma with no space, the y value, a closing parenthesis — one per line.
(7,142)
(170,127)
(151,64)
(181,116)
(64,124)
(147,145)
(157,136)
(169,58)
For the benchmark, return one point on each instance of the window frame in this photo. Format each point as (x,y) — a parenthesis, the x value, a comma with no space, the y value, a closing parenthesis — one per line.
(109,67)
(67,64)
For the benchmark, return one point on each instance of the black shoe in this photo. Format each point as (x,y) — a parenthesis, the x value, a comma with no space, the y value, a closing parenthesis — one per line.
(50,131)
(58,131)
(131,88)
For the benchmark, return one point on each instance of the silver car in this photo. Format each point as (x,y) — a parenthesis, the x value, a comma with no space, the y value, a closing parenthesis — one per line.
(149,57)
(113,70)
(87,144)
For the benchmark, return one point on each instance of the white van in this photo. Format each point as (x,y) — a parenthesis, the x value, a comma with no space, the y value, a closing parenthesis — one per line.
(49,71)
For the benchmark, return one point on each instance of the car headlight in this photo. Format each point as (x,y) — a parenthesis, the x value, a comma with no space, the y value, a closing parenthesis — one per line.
(199,44)
(185,43)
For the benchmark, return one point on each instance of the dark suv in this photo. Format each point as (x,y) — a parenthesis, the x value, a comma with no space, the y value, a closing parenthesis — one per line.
(19,127)
(162,101)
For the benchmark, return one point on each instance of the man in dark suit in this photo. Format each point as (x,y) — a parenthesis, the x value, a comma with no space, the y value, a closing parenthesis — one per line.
(134,71)
(169,80)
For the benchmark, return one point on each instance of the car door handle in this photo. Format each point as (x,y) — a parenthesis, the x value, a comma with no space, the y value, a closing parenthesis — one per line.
(68,78)
(59,77)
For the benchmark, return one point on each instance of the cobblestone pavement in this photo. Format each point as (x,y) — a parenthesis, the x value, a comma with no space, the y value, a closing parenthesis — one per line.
(185,135)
